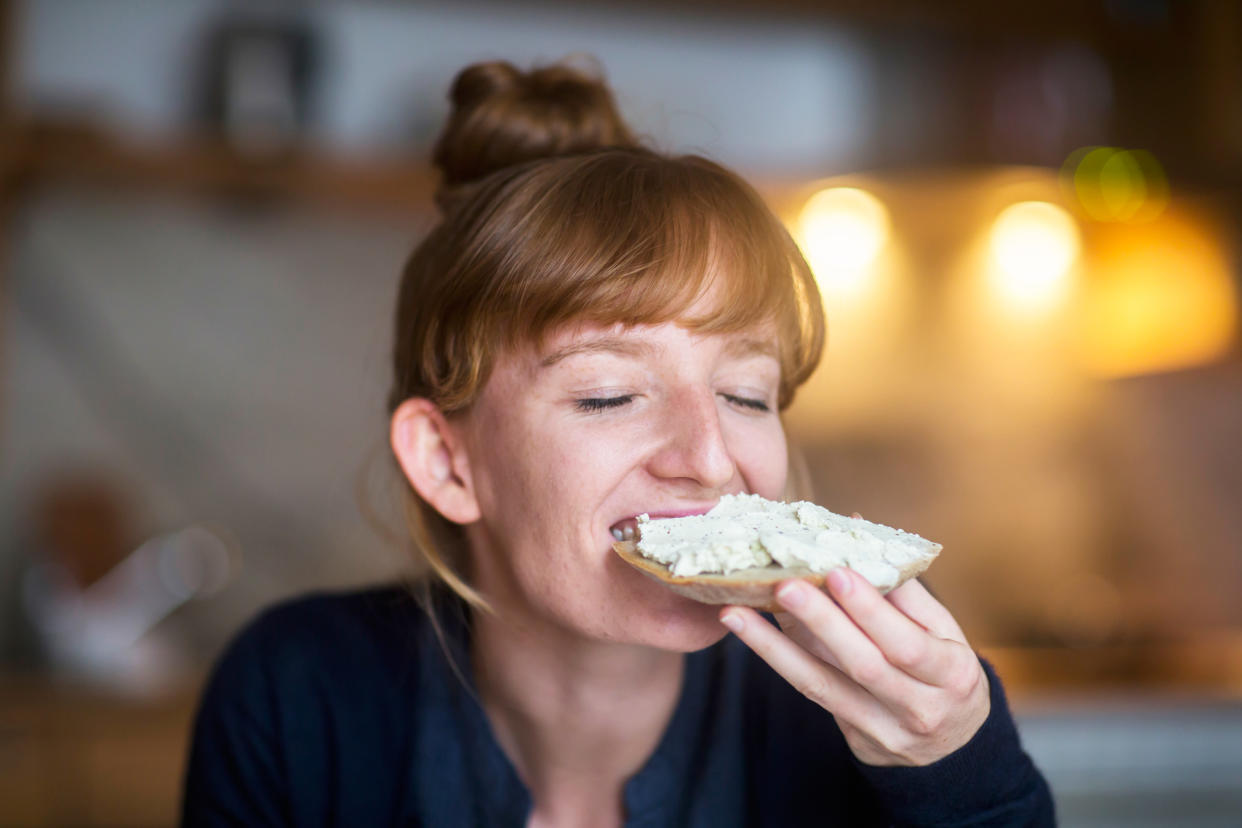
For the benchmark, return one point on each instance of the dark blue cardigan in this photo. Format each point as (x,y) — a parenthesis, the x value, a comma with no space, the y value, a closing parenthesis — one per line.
(344,709)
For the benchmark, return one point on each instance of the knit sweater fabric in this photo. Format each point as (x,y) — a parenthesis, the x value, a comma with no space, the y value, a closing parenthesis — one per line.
(352,709)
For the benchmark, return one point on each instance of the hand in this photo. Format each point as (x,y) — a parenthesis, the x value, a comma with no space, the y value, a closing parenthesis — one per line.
(895,672)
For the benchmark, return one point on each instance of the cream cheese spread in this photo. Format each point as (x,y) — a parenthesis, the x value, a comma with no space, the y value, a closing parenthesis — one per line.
(747,531)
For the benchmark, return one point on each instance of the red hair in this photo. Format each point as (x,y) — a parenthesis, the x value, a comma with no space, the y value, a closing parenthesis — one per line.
(554,215)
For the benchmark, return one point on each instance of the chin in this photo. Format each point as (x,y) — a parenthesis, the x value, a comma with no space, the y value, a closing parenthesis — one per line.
(690,639)
(677,624)
(644,612)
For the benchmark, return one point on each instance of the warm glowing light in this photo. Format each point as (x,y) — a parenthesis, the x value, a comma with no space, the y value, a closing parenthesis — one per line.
(843,230)
(1034,245)
(1117,185)
(1159,299)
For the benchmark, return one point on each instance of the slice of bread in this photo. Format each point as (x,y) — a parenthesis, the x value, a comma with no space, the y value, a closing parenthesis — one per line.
(745,588)
(756,587)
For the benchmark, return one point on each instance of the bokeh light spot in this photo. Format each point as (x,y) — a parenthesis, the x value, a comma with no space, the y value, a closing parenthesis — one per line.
(1112,184)
(842,230)
(1033,245)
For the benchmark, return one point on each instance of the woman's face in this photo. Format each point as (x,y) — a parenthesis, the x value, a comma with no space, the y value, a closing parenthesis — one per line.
(567,444)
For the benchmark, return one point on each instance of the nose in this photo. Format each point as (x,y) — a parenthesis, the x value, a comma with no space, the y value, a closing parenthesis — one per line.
(694,447)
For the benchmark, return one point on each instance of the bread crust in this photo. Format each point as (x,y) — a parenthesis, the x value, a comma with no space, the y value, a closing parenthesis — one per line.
(746,587)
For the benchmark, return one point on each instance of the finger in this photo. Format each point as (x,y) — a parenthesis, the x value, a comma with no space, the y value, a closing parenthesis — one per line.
(858,656)
(804,638)
(914,600)
(819,682)
(903,643)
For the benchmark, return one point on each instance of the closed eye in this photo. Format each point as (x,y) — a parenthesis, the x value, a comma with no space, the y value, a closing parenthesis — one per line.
(602,403)
(747,402)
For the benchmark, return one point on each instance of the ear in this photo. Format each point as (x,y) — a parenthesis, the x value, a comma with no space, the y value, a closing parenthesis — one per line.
(433,459)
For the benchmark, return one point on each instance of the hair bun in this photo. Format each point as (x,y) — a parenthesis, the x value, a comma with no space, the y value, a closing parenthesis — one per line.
(503,116)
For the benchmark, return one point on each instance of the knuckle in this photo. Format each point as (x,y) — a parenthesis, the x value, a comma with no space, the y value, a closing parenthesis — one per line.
(867,672)
(924,722)
(964,678)
(908,654)
(818,690)
(901,744)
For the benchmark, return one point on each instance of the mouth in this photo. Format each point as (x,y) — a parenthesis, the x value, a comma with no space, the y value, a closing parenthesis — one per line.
(626,529)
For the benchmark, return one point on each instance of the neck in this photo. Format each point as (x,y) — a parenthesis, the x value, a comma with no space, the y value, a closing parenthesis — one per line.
(577,717)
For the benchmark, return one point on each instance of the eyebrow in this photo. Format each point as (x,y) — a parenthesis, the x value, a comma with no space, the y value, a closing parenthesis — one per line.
(607,344)
(752,347)
(736,349)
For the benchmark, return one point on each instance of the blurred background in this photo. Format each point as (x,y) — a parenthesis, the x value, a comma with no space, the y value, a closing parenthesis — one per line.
(1024,218)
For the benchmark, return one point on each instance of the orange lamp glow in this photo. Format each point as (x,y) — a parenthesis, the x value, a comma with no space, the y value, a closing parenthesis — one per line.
(1159,299)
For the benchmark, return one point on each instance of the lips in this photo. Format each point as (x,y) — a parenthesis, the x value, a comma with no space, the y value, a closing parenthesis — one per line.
(626,529)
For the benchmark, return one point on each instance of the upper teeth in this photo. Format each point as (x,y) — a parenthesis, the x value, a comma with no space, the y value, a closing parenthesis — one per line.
(623,533)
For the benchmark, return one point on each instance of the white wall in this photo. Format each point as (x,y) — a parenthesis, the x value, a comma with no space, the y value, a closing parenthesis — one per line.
(224,366)
(777,98)
(231,366)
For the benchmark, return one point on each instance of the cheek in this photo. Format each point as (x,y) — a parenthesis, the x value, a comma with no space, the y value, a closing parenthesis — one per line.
(762,458)
(574,462)
(537,477)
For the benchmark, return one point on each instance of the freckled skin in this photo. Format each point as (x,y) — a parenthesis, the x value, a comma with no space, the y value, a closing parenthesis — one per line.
(551,476)
(555,452)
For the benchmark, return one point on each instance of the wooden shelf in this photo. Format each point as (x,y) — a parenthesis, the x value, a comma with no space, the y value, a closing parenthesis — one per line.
(76,756)
(1208,666)
(40,153)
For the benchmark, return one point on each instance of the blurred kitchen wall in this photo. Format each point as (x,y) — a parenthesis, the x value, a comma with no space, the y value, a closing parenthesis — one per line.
(189,333)
(206,206)
(689,82)
(227,361)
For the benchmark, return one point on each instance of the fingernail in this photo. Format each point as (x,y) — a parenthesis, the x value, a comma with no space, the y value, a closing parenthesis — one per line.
(839,582)
(791,595)
(732,621)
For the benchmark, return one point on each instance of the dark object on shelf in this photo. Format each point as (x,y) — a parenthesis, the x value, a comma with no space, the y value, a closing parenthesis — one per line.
(257,82)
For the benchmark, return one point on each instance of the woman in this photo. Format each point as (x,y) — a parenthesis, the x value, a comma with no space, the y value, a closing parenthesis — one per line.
(592,332)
